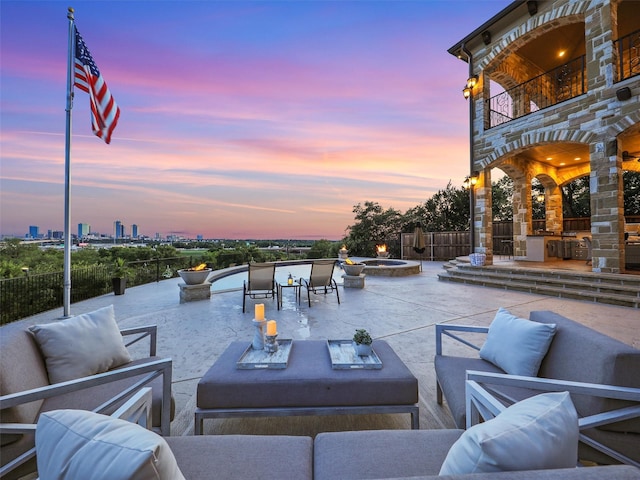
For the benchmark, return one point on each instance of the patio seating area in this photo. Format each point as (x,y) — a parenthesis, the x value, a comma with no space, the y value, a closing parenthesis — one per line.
(402,311)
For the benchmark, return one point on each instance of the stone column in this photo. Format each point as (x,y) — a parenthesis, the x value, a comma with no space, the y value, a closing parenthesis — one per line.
(553,209)
(521,215)
(483,216)
(607,211)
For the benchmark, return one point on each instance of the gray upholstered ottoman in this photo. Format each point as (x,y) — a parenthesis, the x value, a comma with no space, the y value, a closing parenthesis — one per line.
(308,386)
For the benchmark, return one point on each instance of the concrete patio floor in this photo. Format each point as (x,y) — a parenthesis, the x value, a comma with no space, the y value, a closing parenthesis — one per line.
(401,310)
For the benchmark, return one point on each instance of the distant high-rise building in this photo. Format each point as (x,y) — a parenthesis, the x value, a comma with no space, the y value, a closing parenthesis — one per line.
(57,235)
(84,230)
(199,237)
(134,231)
(118,229)
(33,231)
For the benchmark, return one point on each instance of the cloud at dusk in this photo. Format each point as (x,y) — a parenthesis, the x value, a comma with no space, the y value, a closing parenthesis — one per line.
(238,119)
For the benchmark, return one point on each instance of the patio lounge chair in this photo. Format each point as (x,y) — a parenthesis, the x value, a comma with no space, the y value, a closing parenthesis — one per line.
(260,282)
(321,279)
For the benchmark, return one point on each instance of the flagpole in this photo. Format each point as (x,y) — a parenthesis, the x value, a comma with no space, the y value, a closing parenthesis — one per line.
(66,297)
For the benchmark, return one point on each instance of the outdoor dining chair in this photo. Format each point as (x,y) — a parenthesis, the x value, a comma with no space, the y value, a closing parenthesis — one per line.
(321,279)
(260,282)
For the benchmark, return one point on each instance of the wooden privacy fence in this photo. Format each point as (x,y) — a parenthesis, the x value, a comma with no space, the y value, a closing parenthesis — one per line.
(438,245)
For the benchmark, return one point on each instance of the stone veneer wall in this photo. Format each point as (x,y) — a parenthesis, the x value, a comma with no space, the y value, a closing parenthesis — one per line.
(594,119)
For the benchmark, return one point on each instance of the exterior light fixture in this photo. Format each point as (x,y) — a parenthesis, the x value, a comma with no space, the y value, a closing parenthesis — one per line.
(471,83)
(623,94)
(471,180)
(540,197)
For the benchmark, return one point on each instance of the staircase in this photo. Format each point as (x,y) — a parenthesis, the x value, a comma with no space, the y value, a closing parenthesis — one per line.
(613,289)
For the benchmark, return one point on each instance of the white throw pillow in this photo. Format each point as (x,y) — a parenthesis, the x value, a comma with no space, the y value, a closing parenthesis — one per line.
(77,444)
(517,345)
(538,433)
(81,346)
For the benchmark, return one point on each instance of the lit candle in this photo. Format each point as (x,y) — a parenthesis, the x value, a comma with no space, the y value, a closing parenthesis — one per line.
(259,312)
(271,327)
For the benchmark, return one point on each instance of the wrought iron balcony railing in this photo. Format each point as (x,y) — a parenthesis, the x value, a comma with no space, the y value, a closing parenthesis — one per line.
(548,89)
(628,49)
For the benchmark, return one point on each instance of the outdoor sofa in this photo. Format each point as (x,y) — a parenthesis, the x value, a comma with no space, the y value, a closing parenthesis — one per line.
(81,362)
(601,373)
(77,441)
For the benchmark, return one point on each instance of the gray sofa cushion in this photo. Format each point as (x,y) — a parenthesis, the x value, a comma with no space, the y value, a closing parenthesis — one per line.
(451,377)
(236,457)
(21,368)
(381,453)
(616,472)
(90,398)
(80,444)
(517,345)
(81,346)
(538,433)
(581,354)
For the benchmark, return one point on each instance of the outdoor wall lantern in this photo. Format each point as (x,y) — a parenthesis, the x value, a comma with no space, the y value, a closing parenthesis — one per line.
(470,180)
(540,197)
(471,83)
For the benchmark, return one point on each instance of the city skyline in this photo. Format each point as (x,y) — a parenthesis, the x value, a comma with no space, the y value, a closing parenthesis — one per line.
(238,119)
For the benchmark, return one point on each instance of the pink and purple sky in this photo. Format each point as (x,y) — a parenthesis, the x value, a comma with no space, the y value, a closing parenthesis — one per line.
(261,119)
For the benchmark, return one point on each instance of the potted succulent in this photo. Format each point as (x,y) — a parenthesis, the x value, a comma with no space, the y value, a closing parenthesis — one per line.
(362,342)
(119,276)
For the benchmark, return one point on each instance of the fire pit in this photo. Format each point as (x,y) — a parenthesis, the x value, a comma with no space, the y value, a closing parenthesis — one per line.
(381,251)
(353,269)
(196,275)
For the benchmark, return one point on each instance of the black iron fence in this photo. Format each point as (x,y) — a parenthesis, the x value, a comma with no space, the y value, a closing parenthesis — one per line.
(548,89)
(35,293)
(628,49)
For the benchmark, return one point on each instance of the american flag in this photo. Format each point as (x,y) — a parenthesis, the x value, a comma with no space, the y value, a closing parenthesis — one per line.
(104,109)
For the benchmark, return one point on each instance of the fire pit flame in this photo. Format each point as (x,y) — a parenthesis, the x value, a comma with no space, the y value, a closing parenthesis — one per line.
(381,250)
(200,267)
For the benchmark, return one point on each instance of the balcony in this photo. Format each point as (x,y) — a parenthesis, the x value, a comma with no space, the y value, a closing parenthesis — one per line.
(550,88)
(628,51)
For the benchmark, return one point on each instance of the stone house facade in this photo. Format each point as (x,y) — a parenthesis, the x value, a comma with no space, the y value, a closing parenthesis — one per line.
(554,94)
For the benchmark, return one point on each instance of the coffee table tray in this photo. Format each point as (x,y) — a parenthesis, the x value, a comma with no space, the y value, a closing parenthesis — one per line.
(254,359)
(343,357)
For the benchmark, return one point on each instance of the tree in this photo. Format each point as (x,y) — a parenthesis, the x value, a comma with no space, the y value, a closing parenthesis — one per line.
(374,226)
(502,199)
(321,249)
(538,210)
(448,210)
(631,181)
(575,198)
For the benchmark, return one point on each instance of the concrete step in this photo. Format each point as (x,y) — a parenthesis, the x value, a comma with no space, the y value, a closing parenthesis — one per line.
(592,283)
(601,288)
